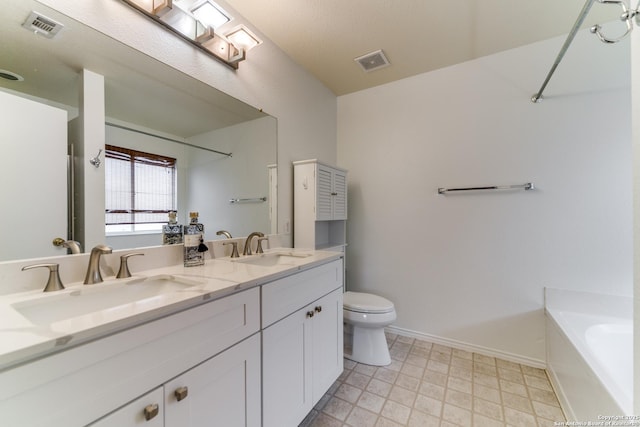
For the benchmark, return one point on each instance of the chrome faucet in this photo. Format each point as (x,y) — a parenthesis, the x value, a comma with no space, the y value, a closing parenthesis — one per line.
(247,243)
(93,271)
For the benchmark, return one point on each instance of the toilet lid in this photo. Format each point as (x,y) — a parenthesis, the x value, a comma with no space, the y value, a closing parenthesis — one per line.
(366,303)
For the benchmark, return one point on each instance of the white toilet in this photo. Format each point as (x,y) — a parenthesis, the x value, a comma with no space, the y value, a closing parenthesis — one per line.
(366,315)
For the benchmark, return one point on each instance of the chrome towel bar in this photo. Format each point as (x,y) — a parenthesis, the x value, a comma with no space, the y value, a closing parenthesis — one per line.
(527,186)
(249,200)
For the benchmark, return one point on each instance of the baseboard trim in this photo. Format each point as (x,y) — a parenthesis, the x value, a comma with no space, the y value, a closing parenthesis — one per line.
(486,351)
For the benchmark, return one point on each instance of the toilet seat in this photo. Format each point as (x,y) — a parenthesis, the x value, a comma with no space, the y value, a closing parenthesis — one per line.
(366,303)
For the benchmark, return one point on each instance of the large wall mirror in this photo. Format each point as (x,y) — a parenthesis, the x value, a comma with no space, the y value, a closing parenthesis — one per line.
(149,107)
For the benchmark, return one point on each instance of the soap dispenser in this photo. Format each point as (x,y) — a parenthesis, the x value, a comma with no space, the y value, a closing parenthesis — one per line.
(194,247)
(172,231)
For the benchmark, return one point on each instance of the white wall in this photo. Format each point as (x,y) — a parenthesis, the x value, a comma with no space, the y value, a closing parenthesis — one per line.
(470,269)
(268,79)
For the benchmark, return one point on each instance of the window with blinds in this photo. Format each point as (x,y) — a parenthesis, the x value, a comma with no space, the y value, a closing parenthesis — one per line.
(140,190)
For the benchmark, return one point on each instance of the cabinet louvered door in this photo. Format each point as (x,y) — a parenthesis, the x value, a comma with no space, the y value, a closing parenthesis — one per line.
(324,197)
(339,195)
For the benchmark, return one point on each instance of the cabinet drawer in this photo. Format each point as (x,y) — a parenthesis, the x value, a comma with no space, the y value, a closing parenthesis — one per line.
(82,384)
(145,411)
(284,296)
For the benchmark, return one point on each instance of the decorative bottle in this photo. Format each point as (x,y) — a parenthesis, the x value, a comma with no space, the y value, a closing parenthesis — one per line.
(194,247)
(172,231)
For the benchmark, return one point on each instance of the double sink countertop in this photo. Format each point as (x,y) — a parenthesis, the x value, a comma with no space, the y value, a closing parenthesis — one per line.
(34,324)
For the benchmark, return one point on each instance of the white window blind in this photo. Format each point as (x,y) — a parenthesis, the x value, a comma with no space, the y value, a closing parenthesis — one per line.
(140,189)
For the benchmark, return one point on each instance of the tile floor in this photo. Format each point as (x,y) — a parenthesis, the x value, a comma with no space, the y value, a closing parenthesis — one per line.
(433,385)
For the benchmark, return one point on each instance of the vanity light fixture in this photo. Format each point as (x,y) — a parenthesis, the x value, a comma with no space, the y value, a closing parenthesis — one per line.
(241,36)
(194,22)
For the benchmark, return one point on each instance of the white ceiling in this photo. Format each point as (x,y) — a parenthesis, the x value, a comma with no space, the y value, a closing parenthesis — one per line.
(324,36)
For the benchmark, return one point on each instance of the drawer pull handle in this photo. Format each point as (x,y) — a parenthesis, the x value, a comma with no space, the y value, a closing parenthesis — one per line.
(150,411)
(310,313)
(318,308)
(181,393)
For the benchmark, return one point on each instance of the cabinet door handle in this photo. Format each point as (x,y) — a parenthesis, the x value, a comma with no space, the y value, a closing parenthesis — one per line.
(181,393)
(334,194)
(150,411)
(318,308)
(310,313)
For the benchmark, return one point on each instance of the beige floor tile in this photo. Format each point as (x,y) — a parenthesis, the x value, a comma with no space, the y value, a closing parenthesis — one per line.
(485,380)
(431,390)
(510,375)
(348,392)
(462,400)
(421,352)
(517,418)
(482,421)
(412,370)
(434,365)
(544,396)
(440,357)
(537,382)
(399,355)
(463,354)
(461,362)
(434,377)
(513,388)
(460,385)
(385,422)
(508,365)
(323,420)
(420,419)
(371,402)
(365,369)
(484,359)
(461,372)
(487,393)
(395,365)
(456,415)
(358,380)
(484,368)
(337,408)
(416,360)
(386,375)
(441,348)
(488,409)
(428,405)
(406,340)
(396,412)
(381,388)
(362,418)
(548,411)
(402,396)
(410,383)
(517,402)
(423,344)
(535,372)
(349,364)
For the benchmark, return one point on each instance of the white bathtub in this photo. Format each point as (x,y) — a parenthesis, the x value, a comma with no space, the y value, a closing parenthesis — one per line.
(590,352)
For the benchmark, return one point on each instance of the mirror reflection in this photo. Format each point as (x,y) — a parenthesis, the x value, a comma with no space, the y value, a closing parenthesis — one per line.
(224,150)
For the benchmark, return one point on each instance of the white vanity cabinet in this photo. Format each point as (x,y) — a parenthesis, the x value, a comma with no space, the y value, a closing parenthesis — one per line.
(101,382)
(302,350)
(224,390)
(320,205)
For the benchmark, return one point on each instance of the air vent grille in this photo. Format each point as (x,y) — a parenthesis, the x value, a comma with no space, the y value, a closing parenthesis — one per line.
(373,61)
(42,25)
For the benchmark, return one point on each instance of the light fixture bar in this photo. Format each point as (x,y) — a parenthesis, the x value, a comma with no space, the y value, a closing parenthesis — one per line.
(183,24)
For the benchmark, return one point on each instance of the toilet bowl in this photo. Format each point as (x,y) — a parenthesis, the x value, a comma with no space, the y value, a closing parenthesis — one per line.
(366,315)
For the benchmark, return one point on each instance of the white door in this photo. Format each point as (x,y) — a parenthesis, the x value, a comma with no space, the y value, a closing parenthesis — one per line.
(286,371)
(33,176)
(327,352)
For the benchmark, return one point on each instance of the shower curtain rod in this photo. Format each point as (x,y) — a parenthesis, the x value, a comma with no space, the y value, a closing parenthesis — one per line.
(583,14)
(177,141)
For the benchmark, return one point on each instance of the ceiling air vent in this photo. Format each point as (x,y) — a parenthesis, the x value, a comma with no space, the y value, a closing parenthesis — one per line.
(373,61)
(42,25)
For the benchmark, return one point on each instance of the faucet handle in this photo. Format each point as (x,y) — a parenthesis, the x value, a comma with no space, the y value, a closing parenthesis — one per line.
(234,250)
(259,248)
(124,272)
(53,283)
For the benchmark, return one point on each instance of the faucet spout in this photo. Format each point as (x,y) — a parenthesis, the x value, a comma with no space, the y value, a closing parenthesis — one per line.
(93,270)
(225,233)
(247,243)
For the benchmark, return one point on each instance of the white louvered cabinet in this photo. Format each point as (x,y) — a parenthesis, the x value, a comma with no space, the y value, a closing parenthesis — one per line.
(320,205)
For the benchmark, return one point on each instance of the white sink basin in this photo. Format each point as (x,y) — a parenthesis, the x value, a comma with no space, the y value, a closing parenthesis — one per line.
(274,258)
(53,307)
